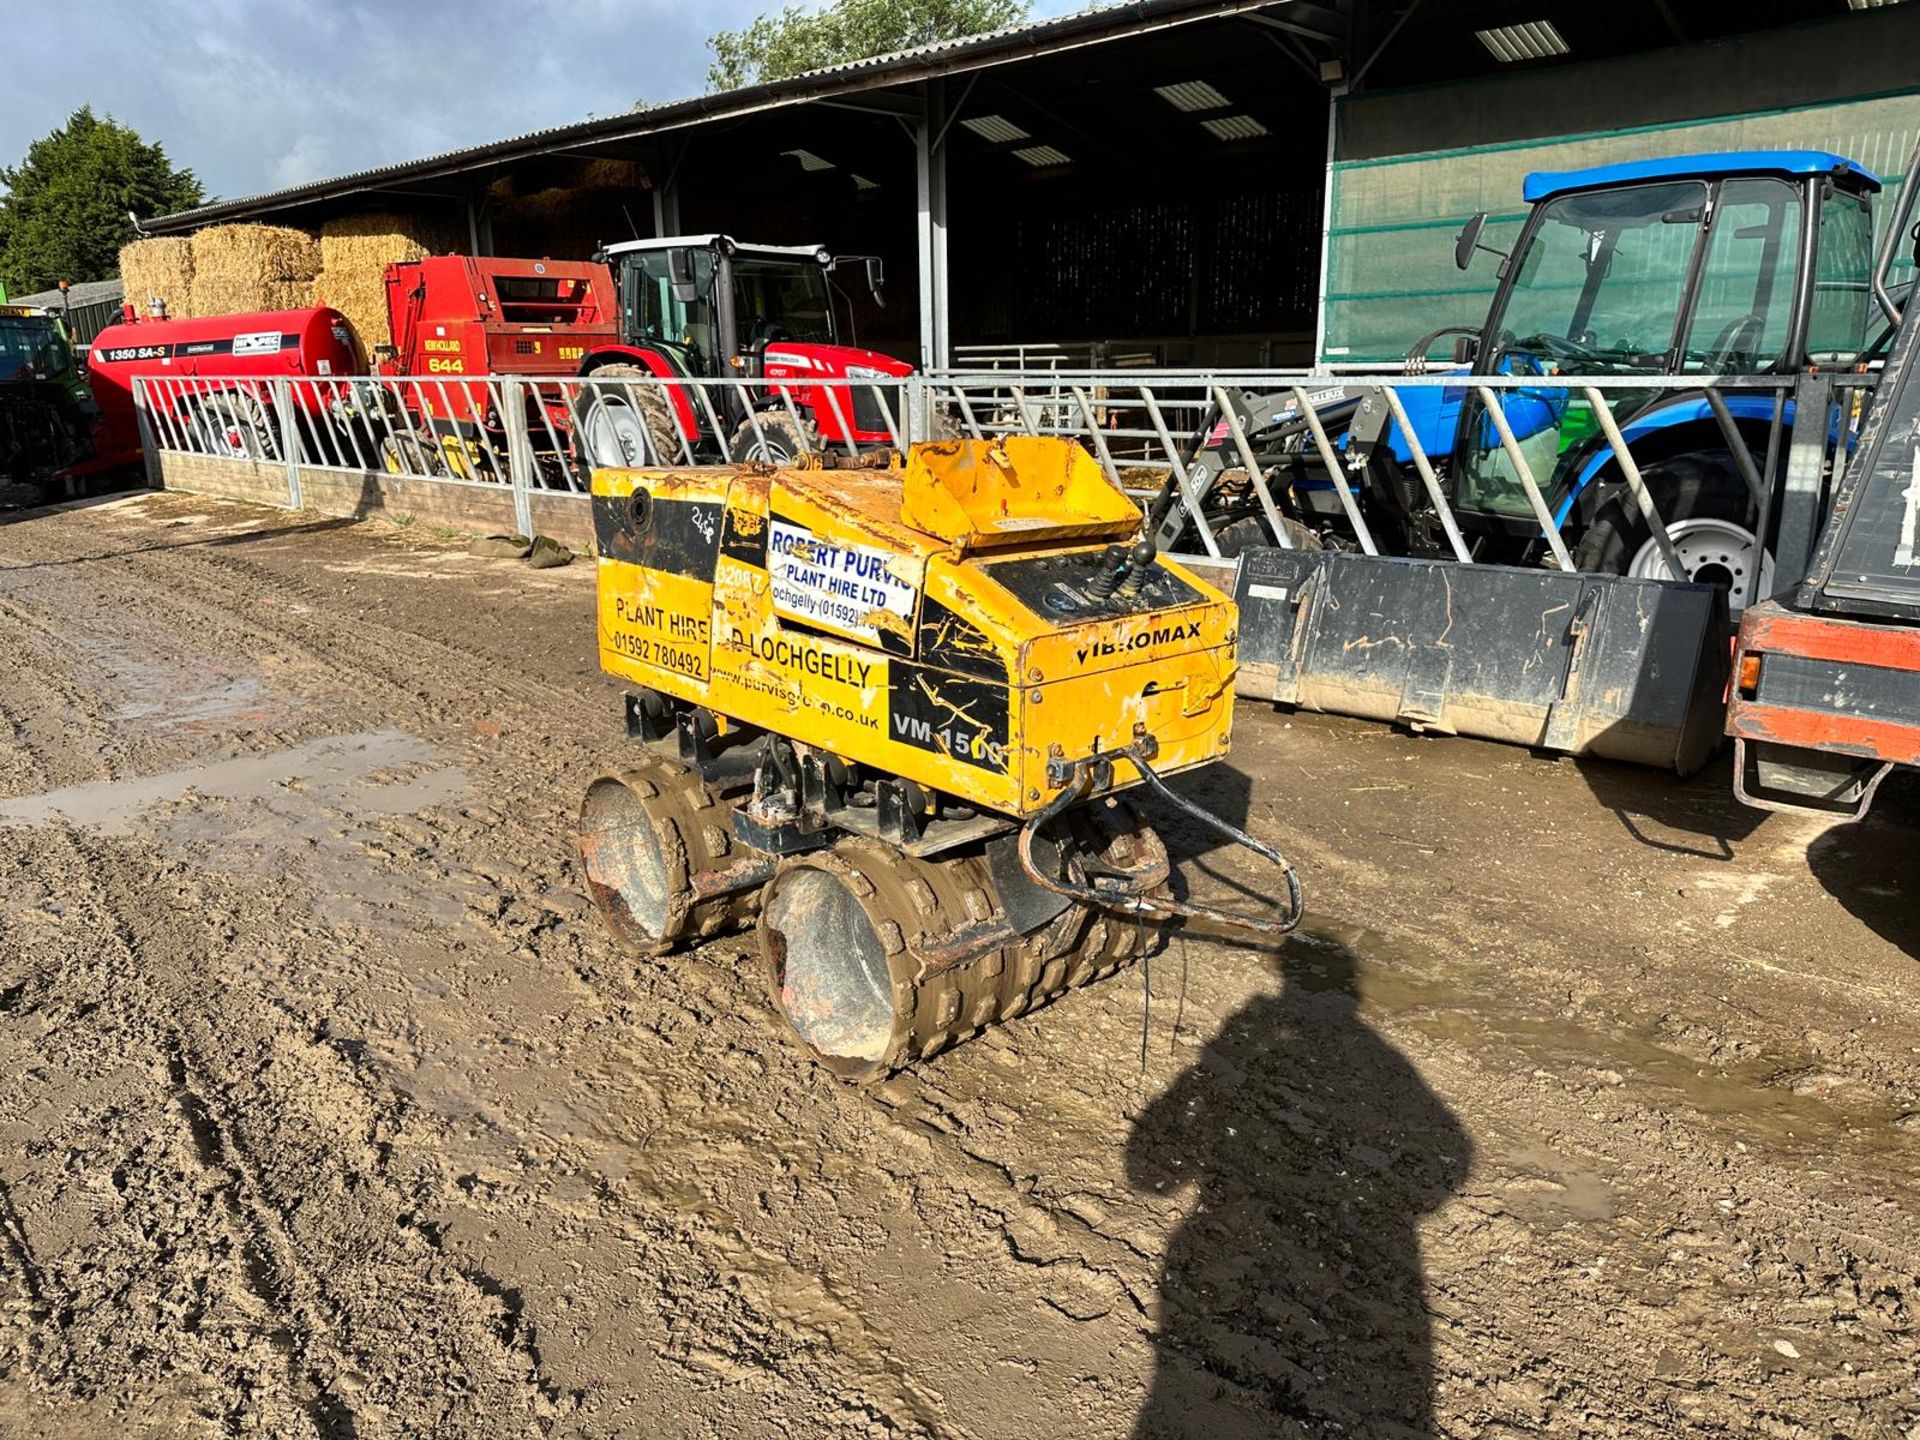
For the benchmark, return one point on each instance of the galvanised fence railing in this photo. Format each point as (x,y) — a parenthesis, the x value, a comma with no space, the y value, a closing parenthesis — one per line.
(1299,454)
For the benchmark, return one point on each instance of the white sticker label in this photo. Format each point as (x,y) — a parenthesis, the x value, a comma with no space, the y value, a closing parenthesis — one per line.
(323,367)
(1903,552)
(1266,592)
(837,587)
(263,342)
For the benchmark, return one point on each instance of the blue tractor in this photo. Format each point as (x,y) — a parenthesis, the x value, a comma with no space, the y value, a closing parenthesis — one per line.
(1750,264)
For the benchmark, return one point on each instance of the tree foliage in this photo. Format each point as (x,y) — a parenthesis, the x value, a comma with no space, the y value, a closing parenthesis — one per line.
(64,216)
(799,38)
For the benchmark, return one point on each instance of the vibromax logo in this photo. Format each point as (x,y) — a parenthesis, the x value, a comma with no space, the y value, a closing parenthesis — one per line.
(1139,640)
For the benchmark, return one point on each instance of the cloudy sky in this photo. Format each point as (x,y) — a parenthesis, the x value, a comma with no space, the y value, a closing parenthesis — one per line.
(259,94)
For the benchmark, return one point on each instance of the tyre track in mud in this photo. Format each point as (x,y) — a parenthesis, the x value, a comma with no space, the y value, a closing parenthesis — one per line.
(374,658)
(85,1369)
(303,1302)
(319,1287)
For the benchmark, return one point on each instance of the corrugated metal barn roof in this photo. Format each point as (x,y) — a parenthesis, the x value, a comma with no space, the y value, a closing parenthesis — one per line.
(922,62)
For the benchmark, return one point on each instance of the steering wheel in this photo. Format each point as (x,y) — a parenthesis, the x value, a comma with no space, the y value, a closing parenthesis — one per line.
(1559,347)
(1735,336)
(764,332)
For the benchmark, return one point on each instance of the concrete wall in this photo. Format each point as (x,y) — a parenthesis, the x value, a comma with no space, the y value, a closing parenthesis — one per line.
(358,494)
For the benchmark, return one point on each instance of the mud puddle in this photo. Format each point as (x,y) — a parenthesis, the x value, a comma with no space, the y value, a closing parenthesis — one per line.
(347,771)
(321,803)
(1761,1100)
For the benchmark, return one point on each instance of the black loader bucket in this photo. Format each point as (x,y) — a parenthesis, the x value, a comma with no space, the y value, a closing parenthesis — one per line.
(1602,665)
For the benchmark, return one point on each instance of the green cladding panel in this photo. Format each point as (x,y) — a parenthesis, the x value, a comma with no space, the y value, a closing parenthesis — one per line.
(1390,271)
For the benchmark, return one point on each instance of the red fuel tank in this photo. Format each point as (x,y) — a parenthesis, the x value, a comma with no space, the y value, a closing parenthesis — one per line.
(172,356)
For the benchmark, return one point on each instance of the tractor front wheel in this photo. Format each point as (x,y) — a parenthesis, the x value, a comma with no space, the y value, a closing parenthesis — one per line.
(1709,517)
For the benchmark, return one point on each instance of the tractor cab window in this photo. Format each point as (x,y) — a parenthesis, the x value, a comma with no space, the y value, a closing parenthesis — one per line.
(780,300)
(27,342)
(1843,266)
(1597,289)
(683,330)
(1743,310)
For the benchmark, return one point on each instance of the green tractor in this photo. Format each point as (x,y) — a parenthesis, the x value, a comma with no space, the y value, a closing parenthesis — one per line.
(46,407)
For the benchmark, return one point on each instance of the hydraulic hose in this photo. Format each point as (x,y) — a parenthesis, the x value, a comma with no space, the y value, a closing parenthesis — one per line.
(1129,896)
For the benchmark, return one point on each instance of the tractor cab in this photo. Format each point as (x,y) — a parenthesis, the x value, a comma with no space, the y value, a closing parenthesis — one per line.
(711,308)
(46,409)
(1758,263)
(34,348)
(1754,263)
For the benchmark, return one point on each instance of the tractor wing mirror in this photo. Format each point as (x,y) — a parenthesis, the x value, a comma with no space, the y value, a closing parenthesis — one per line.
(1468,241)
(876,279)
(686,285)
(1465,348)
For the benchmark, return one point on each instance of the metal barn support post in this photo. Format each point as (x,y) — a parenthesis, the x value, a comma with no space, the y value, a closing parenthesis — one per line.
(930,156)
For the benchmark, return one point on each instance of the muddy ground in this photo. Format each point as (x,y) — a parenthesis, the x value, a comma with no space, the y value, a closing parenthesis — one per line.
(1586,1103)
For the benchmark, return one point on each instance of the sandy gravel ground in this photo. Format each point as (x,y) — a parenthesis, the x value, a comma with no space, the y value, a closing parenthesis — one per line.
(1585,1104)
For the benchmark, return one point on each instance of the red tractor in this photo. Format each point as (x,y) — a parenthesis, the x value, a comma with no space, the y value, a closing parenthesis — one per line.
(710,308)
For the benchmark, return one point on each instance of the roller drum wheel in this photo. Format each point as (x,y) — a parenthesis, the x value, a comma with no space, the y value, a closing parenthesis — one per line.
(846,934)
(661,861)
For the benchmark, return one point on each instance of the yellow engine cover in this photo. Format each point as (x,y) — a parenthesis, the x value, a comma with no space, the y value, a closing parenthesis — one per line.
(959,652)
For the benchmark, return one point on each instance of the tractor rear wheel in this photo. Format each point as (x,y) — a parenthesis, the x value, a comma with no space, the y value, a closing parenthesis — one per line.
(1710,518)
(778,440)
(235,428)
(626,426)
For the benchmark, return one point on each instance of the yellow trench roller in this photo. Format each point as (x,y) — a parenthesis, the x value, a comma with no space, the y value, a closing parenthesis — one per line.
(888,710)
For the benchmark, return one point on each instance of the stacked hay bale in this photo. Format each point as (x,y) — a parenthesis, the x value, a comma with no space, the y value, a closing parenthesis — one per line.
(354,255)
(568,210)
(237,268)
(160,268)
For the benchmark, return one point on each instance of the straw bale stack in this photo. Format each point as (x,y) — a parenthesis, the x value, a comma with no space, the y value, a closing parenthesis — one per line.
(354,254)
(238,268)
(567,222)
(163,267)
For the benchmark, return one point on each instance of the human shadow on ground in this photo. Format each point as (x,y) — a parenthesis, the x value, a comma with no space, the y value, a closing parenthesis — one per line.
(1868,866)
(1293,1300)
